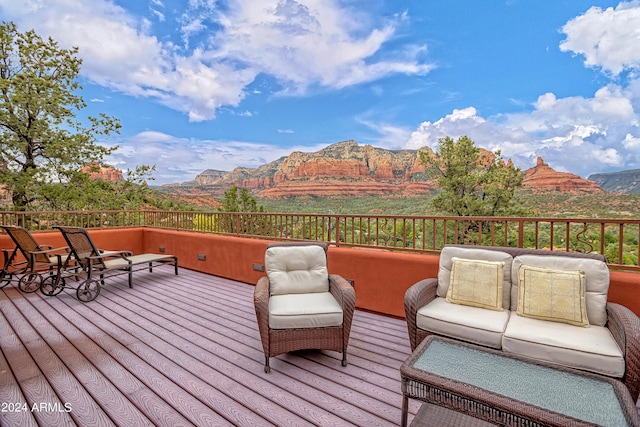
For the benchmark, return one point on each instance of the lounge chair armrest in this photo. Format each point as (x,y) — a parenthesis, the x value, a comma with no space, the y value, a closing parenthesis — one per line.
(52,250)
(624,325)
(416,297)
(261,303)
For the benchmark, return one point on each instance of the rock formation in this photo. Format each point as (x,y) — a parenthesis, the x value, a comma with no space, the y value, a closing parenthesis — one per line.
(542,178)
(349,169)
(105,173)
(623,182)
(345,168)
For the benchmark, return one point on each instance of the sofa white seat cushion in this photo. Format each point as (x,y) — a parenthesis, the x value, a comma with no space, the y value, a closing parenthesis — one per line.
(472,324)
(591,349)
(312,310)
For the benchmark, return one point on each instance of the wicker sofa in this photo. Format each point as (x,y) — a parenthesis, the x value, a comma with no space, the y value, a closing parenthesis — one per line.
(607,342)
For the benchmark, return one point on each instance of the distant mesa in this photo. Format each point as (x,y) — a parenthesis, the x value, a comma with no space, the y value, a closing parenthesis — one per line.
(344,168)
(541,178)
(105,173)
(349,169)
(624,182)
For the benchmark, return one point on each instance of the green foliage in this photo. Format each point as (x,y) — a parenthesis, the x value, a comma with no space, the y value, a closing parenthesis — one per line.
(472,184)
(244,202)
(43,145)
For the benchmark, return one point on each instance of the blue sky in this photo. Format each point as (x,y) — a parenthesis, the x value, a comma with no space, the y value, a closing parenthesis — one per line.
(205,84)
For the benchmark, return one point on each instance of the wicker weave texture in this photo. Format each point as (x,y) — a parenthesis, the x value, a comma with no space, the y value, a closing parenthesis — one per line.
(492,407)
(27,244)
(279,341)
(622,322)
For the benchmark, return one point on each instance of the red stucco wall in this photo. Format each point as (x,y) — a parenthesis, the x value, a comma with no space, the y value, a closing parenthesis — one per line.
(380,277)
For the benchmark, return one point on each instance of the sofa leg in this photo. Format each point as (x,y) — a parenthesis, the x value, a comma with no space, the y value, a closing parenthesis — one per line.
(267,368)
(344,358)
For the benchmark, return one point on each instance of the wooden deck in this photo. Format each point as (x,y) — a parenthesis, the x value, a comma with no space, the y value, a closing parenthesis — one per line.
(184,350)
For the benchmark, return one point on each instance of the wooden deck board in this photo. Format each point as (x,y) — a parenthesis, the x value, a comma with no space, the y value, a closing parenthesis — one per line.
(185,350)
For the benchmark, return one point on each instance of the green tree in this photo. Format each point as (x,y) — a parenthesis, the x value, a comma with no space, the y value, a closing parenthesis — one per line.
(241,222)
(42,142)
(81,192)
(472,183)
(244,202)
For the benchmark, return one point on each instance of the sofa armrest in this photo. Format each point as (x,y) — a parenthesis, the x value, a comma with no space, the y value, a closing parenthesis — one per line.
(344,293)
(625,328)
(261,303)
(416,297)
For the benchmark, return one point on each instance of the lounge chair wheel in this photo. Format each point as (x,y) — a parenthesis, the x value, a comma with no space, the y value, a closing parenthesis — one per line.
(5,279)
(51,287)
(30,282)
(88,290)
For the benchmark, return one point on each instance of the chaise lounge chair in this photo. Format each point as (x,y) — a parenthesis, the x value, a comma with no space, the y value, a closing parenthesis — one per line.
(91,262)
(37,259)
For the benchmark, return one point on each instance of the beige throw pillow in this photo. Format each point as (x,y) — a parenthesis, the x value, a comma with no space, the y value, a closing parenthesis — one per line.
(476,283)
(555,295)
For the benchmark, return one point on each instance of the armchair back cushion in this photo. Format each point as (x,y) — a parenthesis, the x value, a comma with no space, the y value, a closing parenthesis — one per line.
(296,269)
(596,275)
(446,264)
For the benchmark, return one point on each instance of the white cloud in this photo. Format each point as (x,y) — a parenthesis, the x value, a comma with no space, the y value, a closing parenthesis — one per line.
(607,39)
(303,44)
(577,134)
(179,159)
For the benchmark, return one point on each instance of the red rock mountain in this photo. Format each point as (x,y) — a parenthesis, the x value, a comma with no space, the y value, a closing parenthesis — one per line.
(349,169)
(105,173)
(345,168)
(541,178)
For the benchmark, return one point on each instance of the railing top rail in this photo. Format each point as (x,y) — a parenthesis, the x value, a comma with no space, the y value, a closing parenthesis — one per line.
(554,219)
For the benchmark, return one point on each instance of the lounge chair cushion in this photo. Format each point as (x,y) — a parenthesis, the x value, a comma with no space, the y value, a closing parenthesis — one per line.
(592,349)
(296,269)
(446,263)
(472,324)
(312,310)
(596,280)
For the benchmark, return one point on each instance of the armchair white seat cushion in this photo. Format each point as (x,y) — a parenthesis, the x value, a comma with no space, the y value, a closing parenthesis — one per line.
(313,310)
(591,349)
(473,324)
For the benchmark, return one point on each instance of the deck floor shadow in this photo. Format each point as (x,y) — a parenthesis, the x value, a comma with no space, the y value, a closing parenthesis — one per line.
(184,350)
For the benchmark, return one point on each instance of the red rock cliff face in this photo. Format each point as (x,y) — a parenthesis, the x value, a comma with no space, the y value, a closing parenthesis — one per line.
(108,173)
(541,178)
(345,168)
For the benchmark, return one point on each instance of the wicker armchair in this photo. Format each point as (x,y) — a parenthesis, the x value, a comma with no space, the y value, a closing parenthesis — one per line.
(299,305)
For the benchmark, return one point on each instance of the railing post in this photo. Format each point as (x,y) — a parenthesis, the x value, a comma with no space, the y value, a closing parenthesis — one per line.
(520,233)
